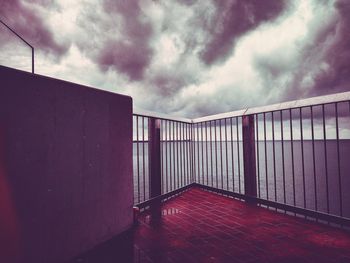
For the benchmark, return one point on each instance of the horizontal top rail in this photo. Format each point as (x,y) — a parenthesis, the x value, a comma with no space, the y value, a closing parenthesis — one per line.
(162,116)
(314,101)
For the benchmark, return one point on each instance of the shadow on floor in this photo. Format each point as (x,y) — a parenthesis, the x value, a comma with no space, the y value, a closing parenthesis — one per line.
(118,249)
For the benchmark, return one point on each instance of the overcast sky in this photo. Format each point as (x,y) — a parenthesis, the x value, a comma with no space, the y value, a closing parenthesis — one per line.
(186,57)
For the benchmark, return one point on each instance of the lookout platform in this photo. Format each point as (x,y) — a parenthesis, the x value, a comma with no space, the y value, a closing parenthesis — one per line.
(201,226)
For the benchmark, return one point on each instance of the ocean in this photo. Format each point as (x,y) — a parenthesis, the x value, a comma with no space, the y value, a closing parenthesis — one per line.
(292,180)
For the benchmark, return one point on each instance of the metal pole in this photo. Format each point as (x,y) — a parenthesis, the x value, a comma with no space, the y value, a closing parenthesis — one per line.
(21,38)
(32,60)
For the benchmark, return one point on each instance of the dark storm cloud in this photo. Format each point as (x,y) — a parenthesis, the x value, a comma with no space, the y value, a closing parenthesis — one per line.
(167,84)
(125,58)
(232,20)
(325,61)
(132,53)
(312,65)
(31,26)
(337,56)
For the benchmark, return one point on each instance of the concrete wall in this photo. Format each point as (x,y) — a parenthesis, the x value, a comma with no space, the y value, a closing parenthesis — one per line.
(65,167)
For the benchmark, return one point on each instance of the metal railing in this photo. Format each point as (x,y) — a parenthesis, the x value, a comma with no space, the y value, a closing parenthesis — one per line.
(175,155)
(218,151)
(290,156)
(23,40)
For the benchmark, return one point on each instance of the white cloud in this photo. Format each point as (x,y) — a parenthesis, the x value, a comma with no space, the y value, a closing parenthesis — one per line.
(278,58)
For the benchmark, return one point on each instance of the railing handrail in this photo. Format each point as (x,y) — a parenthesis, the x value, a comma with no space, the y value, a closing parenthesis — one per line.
(313,101)
(21,38)
(162,116)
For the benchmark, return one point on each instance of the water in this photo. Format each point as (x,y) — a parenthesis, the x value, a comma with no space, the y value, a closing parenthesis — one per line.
(215,165)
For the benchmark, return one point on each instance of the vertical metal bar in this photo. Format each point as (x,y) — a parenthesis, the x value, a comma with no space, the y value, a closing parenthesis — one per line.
(169,153)
(313,156)
(189,130)
(216,157)
(174,156)
(274,154)
(161,157)
(283,165)
(211,156)
(178,126)
(178,171)
(163,143)
(239,158)
(302,153)
(198,164)
(338,158)
(143,159)
(257,152)
(188,153)
(292,152)
(192,153)
(154,165)
(232,160)
(180,155)
(206,151)
(170,158)
(138,159)
(32,59)
(221,166)
(325,155)
(177,157)
(226,155)
(265,149)
(202,143)
(198,154)
(248,137)
(174,160)
(183,154)
(176,164)
(166,156)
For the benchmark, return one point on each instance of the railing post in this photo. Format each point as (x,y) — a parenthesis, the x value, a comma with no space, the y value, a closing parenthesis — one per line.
(154,165)
(249,156)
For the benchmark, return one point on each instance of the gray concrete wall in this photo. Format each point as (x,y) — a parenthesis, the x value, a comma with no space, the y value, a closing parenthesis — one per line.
(65,167)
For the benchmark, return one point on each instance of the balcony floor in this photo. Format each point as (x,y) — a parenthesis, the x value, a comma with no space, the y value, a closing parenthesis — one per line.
(200,226)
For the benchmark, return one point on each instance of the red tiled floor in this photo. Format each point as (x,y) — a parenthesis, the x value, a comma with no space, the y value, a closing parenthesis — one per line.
(199,226)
